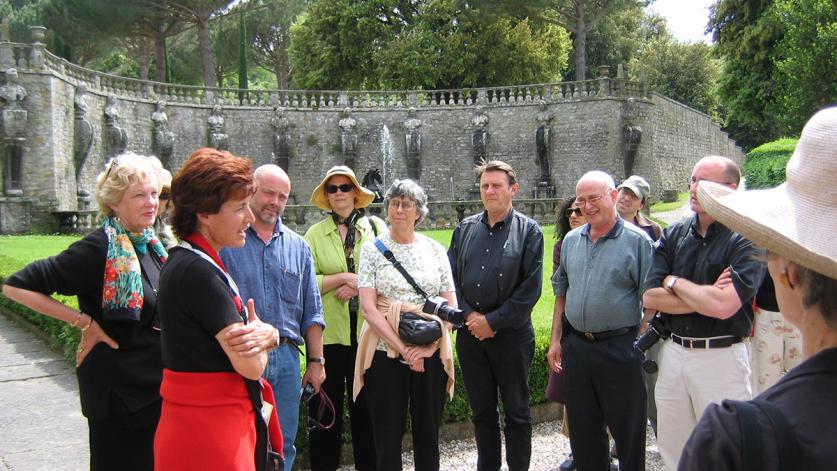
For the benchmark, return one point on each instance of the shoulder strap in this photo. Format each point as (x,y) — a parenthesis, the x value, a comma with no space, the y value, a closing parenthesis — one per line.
(751,444)
(751,450)
(789,450)
(391,258)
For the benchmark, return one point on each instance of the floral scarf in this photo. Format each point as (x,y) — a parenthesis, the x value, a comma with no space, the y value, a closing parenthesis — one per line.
(122,295)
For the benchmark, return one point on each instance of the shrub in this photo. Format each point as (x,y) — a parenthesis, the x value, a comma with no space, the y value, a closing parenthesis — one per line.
(764,166)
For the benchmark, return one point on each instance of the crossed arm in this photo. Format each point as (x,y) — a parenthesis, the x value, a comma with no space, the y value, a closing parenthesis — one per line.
(719,300)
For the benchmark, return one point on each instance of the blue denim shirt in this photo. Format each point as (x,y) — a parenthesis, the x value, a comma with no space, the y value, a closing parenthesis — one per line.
(281,279)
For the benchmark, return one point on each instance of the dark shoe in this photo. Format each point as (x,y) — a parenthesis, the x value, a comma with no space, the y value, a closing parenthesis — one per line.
(568,464)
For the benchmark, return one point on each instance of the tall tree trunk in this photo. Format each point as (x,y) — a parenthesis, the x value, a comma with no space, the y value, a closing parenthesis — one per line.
(205,46)
(160,54)
(580,43)
(282,71)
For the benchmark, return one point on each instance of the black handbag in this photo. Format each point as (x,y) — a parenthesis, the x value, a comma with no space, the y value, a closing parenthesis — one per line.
(412,328)
(416,330)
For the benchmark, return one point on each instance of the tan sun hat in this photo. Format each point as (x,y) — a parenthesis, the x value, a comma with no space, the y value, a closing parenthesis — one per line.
(319,197)
(797,219)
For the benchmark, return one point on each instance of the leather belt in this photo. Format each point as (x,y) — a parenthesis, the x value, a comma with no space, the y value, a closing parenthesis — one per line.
(722,342)
(596,336)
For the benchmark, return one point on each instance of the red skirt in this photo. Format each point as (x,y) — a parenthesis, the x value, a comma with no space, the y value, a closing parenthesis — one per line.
(207,422)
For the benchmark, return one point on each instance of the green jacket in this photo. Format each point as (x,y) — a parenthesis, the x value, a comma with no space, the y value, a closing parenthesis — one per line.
(329,258)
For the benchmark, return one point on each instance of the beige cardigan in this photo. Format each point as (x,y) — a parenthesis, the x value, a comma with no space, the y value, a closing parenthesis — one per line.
(368,341)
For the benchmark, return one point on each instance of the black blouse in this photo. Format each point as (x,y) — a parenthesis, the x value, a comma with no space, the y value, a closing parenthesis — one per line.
(195,304)
(134,371)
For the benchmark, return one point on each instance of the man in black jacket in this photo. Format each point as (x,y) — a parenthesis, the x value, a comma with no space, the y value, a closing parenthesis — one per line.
(497,259)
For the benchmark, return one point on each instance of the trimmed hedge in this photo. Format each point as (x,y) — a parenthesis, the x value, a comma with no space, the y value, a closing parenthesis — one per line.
(764,166)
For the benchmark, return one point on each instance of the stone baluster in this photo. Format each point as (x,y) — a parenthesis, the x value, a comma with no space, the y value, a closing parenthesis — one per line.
(36,53)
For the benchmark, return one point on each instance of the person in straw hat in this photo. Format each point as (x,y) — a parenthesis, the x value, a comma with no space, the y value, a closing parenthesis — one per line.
(336,244)
(796,223)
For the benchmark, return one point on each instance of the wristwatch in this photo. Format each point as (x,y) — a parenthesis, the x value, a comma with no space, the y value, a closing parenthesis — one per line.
(671,281)
(319,360)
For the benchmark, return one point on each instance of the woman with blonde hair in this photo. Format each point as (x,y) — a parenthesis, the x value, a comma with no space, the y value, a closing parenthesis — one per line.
(114,272)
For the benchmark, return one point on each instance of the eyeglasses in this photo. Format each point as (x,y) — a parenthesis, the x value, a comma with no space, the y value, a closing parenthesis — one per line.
(406,205)
(344,188)
(592,200)
(694,180)
(571,211)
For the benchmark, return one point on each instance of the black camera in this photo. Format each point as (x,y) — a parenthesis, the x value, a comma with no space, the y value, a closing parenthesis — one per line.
(656,331)
(307,392)
(439,306)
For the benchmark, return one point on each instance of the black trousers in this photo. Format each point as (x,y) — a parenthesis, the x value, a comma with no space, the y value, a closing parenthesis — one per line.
(325,445)
(604,387)
(124,440)
(499,364)
(392,389)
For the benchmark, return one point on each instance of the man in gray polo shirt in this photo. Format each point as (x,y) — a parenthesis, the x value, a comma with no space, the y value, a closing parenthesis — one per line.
(598,301)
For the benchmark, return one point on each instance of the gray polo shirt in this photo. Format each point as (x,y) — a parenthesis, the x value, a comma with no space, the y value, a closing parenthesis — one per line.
(603,281)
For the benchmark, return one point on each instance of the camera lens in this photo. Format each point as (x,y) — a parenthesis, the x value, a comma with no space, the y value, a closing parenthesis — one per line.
(650,366)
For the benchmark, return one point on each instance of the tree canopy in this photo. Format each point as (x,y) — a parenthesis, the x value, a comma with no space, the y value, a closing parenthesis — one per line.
(422,43)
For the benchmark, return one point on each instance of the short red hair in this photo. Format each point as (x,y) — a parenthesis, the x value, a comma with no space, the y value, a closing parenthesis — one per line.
(209,178)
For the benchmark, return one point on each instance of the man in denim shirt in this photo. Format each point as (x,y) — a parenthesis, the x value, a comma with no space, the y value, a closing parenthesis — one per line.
(275,268)
(598,304)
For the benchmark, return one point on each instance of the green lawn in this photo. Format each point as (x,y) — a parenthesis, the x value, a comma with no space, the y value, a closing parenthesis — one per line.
(17,251)
(542,314)
(660,207)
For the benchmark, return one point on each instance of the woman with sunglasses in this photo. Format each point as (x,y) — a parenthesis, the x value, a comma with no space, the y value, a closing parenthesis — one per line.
(114,273)
(336,243)
(396,376)
(792,423)
(567,217)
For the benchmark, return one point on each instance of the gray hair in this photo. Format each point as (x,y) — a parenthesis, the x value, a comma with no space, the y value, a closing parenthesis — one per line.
(408,189)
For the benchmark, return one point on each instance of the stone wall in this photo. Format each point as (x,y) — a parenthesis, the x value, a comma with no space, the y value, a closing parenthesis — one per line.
(588,122)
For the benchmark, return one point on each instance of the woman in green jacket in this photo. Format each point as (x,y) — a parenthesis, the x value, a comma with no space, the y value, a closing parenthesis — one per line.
(335,244)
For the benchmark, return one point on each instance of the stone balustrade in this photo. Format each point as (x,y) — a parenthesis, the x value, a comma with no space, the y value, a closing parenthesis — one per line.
(35,56)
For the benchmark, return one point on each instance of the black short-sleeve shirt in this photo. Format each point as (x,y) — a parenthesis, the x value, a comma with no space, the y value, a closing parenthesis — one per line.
(682,251)
(195,304)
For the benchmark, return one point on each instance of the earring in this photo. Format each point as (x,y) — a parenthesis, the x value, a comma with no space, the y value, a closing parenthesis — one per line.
(785,279)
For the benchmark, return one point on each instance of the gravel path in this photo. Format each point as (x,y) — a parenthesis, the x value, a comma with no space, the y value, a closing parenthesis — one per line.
(549,449)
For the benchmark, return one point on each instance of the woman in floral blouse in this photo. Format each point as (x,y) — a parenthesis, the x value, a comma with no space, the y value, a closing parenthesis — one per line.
(398,376)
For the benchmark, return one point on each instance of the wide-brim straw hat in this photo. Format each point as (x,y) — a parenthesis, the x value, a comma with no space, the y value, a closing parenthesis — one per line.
(363,198)
(797,219)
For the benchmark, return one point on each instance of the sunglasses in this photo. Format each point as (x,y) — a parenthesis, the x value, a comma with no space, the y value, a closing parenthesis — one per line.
(571,211)
(111,165)
(165,196)
(344,188)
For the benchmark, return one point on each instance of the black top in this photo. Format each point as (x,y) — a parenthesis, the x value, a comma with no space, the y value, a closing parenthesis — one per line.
(683,252)
(766,297)
(195,304)
(807,397)
(134,371)
(498,270)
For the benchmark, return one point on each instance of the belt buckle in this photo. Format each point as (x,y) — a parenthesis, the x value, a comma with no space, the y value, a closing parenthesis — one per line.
(589,336)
